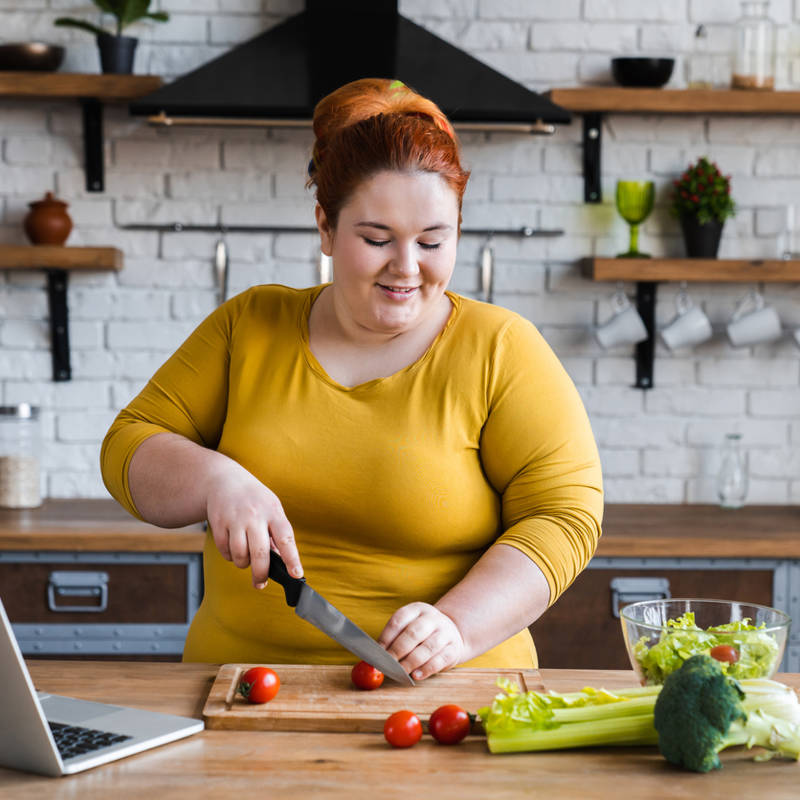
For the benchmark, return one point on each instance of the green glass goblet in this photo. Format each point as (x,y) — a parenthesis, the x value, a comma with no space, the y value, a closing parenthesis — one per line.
(634,203)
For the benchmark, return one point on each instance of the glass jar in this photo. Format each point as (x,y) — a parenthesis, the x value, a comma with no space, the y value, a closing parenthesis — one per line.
(700,70)
(754,55)
(732,477)
(20,454)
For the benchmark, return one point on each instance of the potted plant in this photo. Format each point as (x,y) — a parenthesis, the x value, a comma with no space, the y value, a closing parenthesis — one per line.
(701,199)
(116,50)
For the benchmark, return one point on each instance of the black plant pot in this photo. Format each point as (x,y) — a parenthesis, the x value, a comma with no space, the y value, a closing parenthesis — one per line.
(116,53)
(702,241)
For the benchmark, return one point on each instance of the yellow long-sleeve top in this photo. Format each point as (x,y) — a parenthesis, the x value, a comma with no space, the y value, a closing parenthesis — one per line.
(394,487)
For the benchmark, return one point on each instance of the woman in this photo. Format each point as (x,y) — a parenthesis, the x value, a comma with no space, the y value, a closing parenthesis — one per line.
(423,458)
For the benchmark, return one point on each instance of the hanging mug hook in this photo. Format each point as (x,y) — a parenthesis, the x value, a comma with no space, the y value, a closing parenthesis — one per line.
(221,266)
(487,270)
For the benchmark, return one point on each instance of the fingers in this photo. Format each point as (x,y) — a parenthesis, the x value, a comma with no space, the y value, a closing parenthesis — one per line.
(423,639)
(258,551)
(283,537)
(247,520)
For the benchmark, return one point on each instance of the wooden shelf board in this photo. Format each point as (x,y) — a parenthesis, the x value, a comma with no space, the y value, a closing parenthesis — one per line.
(675,101)
(691,269)
(42,256)
(111,88)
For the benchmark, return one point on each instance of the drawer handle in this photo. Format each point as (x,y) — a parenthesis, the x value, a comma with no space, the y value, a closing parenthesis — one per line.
(632,590)
(77,584)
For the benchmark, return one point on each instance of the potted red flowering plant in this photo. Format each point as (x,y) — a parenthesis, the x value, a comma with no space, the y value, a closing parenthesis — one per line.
(701,199)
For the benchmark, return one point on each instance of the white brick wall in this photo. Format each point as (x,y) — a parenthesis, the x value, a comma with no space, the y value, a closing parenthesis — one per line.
(657,446)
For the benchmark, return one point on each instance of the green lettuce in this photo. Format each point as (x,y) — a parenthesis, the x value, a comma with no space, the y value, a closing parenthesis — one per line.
(681,638)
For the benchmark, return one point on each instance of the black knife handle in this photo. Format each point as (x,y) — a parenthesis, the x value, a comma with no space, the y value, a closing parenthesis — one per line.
(278,572)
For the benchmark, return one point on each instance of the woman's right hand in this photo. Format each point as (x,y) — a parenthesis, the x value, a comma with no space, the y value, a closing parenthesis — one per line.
(247,521)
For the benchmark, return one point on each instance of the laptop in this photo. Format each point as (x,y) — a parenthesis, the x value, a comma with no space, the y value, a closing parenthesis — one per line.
(54,735)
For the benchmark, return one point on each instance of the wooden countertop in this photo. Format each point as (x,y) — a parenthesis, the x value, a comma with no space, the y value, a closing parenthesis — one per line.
(344,765)
(91,525)
(703,531)
(640,530)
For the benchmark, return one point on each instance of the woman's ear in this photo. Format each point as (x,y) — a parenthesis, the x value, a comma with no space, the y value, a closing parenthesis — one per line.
(325,232)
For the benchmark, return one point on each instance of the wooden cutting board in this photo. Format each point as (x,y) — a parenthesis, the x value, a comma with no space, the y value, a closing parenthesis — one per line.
(322,698)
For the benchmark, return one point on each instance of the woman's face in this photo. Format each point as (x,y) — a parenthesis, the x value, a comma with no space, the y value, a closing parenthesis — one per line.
(393,250)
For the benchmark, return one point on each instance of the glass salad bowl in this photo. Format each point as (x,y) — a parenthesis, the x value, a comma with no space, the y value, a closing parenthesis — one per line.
(747,639)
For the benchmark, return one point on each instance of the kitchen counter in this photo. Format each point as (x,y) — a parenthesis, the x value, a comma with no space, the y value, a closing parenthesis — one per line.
(91,525)
(637,530)
(343,765)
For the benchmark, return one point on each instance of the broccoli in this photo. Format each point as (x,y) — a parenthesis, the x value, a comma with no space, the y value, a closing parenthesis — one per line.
(700,711)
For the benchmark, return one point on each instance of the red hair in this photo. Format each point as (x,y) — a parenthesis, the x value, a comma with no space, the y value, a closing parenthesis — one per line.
(372,125)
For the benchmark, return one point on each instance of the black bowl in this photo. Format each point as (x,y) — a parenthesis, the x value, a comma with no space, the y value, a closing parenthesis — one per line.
(633,71)
(34,56)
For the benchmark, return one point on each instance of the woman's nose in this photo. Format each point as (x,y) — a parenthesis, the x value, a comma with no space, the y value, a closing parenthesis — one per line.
(405,262)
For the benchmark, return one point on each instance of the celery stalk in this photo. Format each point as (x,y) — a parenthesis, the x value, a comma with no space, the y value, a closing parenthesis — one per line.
(630,730)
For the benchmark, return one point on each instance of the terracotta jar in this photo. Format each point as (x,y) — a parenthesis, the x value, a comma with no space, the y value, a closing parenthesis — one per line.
(48,222)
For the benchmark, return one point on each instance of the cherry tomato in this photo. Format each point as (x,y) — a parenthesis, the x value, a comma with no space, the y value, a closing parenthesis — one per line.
(365,676)
(725,652)
(449,724)
(402,729)
(259,685)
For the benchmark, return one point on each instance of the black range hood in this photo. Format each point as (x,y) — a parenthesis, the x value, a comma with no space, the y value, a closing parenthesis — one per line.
(277,77)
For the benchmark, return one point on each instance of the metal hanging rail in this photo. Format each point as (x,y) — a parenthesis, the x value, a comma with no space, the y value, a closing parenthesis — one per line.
(525,231)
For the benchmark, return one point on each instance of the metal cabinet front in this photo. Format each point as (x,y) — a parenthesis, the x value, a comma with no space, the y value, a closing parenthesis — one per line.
(100,603)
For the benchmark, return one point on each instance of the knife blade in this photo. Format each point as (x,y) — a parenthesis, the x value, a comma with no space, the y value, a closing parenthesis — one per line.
(311,606)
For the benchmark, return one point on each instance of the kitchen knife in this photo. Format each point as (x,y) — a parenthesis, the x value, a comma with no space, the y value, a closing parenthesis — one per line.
(314,608)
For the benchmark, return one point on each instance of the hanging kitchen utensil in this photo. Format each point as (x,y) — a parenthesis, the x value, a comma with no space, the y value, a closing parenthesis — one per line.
(221,267)
(487,271)
(325,268)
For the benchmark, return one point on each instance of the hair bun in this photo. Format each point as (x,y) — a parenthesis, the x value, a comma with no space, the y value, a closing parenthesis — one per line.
(365,98)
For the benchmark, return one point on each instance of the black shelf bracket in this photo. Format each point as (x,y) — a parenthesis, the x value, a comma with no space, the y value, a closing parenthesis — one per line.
(93,144)
(59,327)
(645,351)
(592,141)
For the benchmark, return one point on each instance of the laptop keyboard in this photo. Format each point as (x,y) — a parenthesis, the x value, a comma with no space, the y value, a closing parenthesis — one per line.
(72,740)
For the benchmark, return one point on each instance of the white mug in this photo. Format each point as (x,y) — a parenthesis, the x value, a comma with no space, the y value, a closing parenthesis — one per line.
(753,322)
(625,325)
(689,326)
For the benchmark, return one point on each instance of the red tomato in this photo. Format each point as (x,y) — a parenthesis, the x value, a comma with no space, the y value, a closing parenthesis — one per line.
(365,676)
(259,685)
(402,729)
(449,724)
(725,652)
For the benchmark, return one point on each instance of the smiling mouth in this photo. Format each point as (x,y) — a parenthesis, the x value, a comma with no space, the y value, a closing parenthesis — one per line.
(398,289)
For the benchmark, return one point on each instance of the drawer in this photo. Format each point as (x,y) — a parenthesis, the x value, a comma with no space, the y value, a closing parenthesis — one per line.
(95,592)
(581,631)
(111,604)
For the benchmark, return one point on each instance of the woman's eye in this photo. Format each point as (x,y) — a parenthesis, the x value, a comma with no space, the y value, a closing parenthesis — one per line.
(428,246)
(376,242)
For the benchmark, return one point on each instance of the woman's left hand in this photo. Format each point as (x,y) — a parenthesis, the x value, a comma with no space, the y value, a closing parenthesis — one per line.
(423,639)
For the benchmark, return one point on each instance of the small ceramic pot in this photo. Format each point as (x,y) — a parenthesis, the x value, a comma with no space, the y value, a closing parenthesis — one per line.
(48,221)
(116,53)
(702,241)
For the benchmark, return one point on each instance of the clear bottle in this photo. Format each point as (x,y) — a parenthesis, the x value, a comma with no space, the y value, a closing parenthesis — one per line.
(754,55)
(700,61)
(20,454)
(732,476)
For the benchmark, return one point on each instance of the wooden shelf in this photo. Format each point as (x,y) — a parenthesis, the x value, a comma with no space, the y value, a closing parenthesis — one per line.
(691,269)
(592,102)
(92,91)
(107,88)
(58,262)
(43,256)
(614,99)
